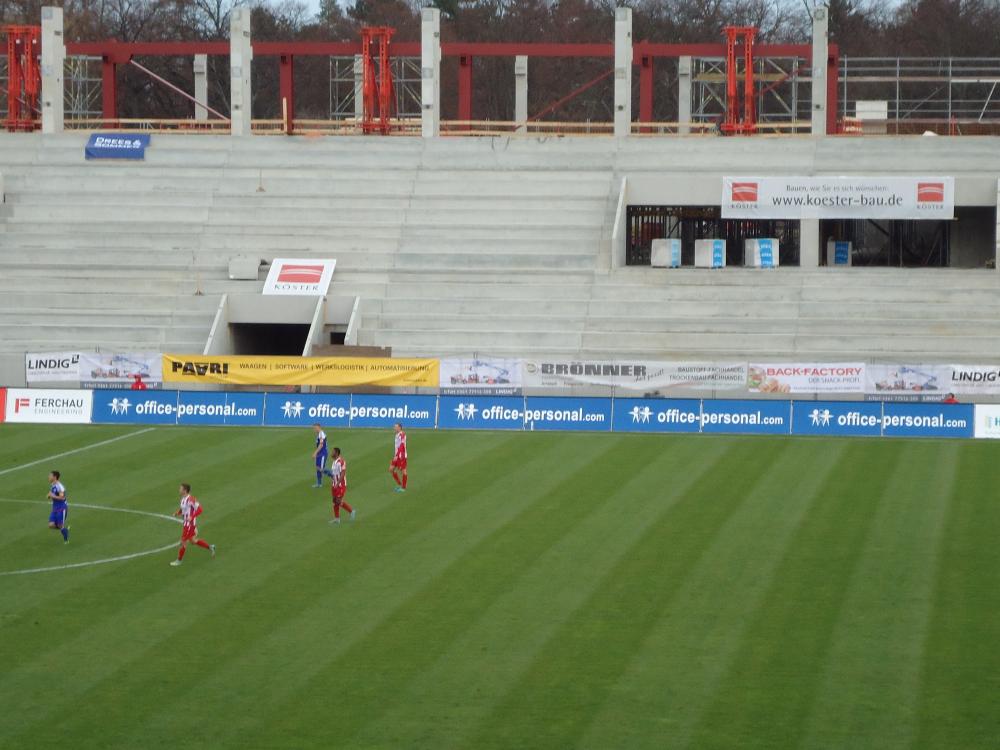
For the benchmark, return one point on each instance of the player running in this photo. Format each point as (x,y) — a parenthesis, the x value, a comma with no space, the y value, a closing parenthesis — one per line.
(338,486)
(60,508)
(397,467)
(189,511)
(320,455)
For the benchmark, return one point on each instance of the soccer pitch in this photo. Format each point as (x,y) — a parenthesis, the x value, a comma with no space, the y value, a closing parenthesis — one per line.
(530,590)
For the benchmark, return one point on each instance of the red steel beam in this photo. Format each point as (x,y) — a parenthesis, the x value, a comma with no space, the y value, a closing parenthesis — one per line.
(646,90)
(286,85)
(465,87)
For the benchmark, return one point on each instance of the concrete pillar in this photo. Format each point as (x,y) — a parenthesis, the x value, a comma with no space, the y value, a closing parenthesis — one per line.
(430,73)
(521,92)
(820,51)
(623,71)
(684,94)
(359,89)
(240,57)
(809,243)
(201,86)
(53,61)
(996,256)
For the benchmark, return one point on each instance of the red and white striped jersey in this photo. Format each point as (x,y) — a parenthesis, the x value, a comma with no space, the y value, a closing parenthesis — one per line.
(339,471)
(190,509)
(400,444)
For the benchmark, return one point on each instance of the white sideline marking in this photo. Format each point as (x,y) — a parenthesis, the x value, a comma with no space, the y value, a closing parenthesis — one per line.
(76,450)
(119,558)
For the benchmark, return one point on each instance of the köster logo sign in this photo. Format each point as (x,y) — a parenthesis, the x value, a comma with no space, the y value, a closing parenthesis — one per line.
(295,274)
(744,192)
(930,192)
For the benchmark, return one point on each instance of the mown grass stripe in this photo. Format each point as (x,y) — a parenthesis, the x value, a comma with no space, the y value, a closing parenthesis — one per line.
(671,681)
(507,636)
(870,683)
(763,699)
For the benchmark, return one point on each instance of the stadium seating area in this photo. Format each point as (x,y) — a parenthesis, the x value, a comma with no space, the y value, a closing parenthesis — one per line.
(455,246)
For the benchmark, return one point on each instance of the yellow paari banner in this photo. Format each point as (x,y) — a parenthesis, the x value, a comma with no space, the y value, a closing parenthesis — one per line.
(331,371)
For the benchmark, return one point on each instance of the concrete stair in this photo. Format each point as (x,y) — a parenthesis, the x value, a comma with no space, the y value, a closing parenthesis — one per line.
(457,246)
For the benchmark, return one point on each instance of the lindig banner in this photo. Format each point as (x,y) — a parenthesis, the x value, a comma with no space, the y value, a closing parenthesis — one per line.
(757,197)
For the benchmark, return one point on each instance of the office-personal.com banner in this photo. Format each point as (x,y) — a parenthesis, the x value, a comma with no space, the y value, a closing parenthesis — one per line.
(471,412)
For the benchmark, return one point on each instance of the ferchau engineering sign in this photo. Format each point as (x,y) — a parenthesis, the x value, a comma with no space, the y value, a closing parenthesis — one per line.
(838,197)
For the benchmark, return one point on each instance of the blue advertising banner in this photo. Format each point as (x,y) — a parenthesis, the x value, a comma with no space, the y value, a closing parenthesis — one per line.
(481,413)
(117,146)
(245,408)
(859,418)
(213,407)
(302,409)
(657,415)
(928,420)
(385,411)
(718,253)
(201,407)
(766,253)
(746,417)
(560,413)
(841,253)
(135,407)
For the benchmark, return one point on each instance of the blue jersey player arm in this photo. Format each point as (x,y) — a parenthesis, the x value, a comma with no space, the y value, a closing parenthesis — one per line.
(57,493)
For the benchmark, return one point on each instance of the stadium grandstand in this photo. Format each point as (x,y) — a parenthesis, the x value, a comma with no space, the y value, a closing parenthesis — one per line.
(527,238)
(664,370)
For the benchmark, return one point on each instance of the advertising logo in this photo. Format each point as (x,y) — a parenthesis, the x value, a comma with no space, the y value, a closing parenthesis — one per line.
(135,407)
(45,406)
(930,192)
(558,413)
(300,409)
(657,415)
(385,411)
(928,420)
(746,417)
(857,418)
(744,192)
(988,421)
(481,413)
(298,274)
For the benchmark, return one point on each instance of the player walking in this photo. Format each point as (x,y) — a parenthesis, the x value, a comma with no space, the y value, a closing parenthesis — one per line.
(338,486)
(320,455)
(397,467)
(60,508)
(189,511)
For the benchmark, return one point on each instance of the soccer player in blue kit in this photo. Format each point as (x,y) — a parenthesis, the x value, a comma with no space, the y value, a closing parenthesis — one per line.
(320,455)
(60,508)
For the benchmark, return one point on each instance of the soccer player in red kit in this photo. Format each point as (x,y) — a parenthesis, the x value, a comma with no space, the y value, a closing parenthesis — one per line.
(189,511)
(338,486)
(397,467)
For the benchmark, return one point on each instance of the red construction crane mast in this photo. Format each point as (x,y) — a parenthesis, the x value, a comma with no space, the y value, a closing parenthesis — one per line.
(377,87)
(739,44)
(24,78)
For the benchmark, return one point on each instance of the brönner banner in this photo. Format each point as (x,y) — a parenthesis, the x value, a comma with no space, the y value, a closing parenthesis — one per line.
(638,375)
(324,371)
(824,197)
(841,377)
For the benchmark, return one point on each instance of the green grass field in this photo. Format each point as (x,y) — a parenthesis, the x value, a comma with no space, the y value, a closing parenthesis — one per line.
(531,590)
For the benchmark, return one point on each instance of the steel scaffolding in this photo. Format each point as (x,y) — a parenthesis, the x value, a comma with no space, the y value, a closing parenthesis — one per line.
(346,82)
(82,96)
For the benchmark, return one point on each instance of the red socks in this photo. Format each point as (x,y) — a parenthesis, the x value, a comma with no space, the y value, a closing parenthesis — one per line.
(404,481)
(336,511)
(203,543)
(180,553)
(395,478)
(347,507)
